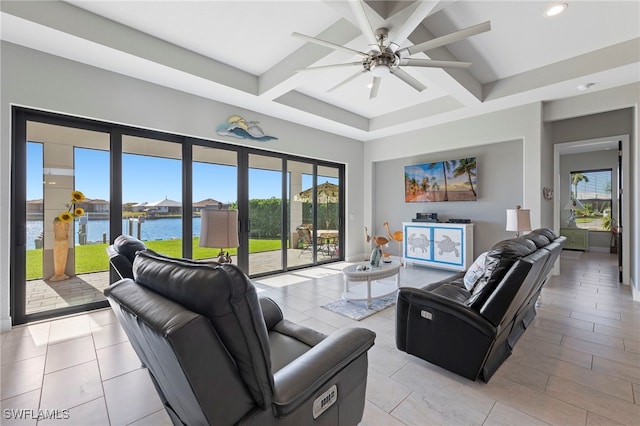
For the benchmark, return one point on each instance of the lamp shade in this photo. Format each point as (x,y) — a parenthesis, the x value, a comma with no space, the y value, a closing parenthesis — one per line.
(518,220)
(573,205)
(219,228)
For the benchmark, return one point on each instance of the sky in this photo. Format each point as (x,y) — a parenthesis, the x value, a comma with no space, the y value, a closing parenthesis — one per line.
(150,179)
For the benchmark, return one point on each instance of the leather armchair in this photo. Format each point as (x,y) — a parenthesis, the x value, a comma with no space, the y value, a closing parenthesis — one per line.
(218,354)
(122,252)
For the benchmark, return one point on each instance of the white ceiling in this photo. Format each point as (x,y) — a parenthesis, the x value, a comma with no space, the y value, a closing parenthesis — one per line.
(242,53)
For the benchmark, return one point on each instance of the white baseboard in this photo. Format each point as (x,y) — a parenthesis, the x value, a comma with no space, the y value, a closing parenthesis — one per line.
(635,293)
(5,324)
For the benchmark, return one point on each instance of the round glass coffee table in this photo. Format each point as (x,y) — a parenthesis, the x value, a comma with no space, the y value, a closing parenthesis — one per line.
(368,291)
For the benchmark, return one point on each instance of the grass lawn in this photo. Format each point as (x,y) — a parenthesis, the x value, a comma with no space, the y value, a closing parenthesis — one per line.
(93,257)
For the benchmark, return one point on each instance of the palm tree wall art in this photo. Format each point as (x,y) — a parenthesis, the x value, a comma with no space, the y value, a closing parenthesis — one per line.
(450,180)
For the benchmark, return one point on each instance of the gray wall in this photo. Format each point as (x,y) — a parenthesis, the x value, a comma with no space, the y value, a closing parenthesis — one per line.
(499,188)
(618,121)
(593,126)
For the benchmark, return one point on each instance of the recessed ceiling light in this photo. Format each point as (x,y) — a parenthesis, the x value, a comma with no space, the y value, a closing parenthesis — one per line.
(585,86)
(556,9)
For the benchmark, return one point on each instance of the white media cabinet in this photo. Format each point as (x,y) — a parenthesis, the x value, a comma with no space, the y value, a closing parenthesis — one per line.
(438,245)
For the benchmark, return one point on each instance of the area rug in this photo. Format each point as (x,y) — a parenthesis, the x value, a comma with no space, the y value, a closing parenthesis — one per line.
(358,310)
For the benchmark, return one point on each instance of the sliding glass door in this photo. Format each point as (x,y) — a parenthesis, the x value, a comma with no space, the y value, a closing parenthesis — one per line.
(301,205)
(152,193)
(78,184)
(66,216)
(214,186)
(328,211)
(266,220)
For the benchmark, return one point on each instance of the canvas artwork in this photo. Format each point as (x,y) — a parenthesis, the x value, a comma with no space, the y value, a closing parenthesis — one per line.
(451,180)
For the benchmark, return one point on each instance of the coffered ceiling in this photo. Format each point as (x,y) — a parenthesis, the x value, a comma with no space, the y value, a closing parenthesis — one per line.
(243,53)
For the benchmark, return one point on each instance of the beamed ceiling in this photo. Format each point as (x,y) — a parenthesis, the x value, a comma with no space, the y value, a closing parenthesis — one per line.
(243,53)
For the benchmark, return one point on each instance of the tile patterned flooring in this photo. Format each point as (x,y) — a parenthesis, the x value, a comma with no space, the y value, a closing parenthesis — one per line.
(578,364)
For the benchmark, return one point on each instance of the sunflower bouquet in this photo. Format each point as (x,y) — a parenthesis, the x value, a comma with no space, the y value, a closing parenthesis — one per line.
(72,211)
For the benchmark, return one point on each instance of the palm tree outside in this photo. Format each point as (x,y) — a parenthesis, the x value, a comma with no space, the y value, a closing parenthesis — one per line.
(576,178)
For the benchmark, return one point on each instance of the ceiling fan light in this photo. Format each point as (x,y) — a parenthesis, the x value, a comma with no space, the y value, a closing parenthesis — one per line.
(556,9)
(380,70)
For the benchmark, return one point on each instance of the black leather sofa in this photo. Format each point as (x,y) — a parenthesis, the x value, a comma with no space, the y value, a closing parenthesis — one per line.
(217,354)
(122,252)
(471,333)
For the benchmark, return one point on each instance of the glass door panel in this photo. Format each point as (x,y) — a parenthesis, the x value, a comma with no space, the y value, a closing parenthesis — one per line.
(265,214)
(215,186)
(152,193)
(302,245)
(328,214)
(67,216)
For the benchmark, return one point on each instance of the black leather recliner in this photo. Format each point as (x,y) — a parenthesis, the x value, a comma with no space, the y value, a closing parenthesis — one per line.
(122,252)
(219,355)
(472,333)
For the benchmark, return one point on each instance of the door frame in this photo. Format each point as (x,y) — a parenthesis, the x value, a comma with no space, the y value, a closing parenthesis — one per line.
(17,272)
(623,183)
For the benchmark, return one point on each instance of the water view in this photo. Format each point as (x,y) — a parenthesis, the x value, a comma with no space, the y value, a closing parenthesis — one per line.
(157,229)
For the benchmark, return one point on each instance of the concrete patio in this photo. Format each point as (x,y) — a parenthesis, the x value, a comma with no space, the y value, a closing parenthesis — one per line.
(43,295)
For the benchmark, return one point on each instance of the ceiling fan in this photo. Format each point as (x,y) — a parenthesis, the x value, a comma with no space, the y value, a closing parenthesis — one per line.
(385,57)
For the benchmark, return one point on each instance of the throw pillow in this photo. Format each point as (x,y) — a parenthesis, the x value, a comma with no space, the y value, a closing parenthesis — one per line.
(475,271)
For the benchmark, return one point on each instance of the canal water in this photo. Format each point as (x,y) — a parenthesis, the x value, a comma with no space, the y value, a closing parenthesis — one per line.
(156,229)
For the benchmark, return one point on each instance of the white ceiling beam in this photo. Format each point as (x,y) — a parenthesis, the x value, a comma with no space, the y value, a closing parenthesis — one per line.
(409,23)
(281,78)
(616,56)
(318,108)
(64,18)
(459,83)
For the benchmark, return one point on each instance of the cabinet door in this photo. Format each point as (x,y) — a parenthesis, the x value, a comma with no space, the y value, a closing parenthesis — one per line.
(447,246)
(418,243)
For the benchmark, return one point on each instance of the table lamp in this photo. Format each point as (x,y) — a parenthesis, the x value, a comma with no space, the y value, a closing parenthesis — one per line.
(219,229)
(518,220)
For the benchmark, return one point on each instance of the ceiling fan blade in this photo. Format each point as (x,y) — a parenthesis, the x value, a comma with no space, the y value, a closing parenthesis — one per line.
(407,78)
(343,82)
(374,87)
(434,63)
(328,44)
(422,10)
(447,39)
(324,67)
(357,7)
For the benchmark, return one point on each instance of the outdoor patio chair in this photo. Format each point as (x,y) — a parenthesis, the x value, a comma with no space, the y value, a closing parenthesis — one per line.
(305,240)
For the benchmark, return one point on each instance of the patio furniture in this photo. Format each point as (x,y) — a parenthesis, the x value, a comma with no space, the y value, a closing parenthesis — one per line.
(304,239)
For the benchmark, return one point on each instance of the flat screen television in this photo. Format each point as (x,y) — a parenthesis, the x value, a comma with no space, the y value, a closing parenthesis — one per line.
(450,180)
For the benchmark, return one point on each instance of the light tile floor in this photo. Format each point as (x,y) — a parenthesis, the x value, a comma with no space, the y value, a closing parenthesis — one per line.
(578,364)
